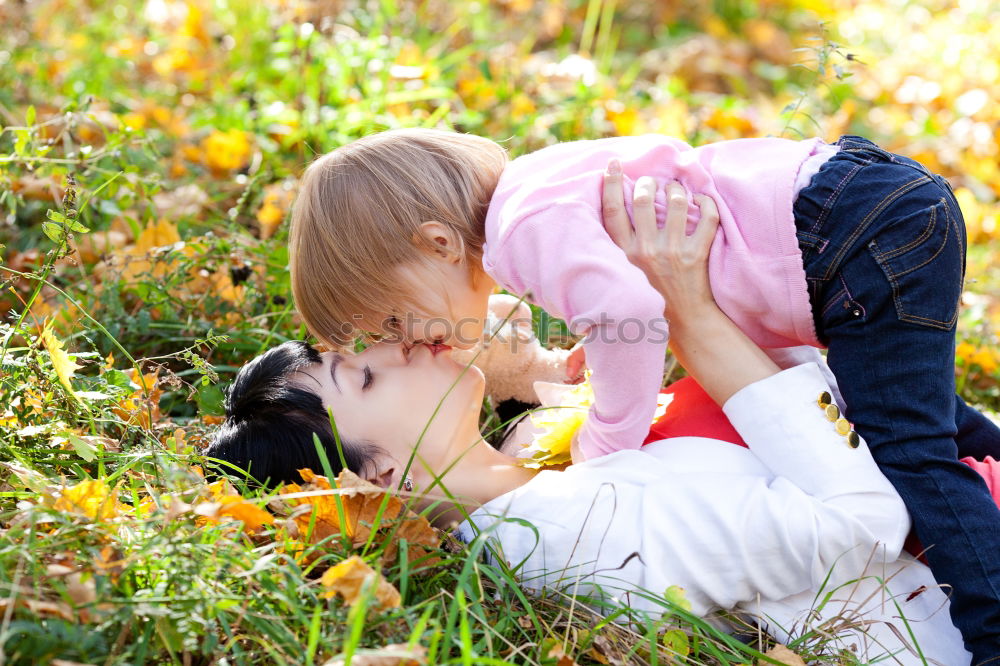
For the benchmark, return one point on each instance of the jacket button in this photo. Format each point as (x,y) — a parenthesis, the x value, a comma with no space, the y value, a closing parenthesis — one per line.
(832,412)
(853,440)
(843,426)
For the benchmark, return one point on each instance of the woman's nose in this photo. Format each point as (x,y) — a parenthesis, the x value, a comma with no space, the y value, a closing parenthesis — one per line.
(392,353)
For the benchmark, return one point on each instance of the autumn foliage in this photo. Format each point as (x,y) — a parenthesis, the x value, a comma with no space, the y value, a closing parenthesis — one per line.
(149,156)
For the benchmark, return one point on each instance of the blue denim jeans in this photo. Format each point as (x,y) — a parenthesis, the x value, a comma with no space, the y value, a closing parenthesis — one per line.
(883,244)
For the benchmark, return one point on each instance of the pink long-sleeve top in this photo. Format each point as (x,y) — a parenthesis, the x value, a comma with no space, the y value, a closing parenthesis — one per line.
(545,240)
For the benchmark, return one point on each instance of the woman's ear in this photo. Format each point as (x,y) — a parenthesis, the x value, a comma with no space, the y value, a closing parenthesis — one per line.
(441,240)
(383,474)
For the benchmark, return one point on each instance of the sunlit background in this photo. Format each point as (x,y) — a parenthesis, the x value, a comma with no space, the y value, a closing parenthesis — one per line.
(211,110)
(149,154)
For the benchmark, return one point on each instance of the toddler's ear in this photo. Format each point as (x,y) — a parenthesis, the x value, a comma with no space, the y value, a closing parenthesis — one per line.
(440,239)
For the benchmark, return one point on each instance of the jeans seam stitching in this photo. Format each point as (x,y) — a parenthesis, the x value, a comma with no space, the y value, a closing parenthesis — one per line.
(969,541)
(912,318)
(947,232)
(889,198)
(830,303)
(919,240)
(828,204)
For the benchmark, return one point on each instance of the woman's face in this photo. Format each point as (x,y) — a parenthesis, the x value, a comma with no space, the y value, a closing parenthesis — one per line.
(394,396)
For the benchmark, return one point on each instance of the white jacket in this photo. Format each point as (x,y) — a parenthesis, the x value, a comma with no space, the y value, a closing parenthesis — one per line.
(770,531)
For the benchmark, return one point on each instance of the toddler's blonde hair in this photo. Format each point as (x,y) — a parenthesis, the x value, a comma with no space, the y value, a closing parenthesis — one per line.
(358,216)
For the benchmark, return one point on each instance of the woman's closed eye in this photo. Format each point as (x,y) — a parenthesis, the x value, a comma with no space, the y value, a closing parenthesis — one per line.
(369,378)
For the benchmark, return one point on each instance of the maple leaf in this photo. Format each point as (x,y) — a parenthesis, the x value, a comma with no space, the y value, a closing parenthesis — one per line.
(62,362)
(349,577)
(361,503)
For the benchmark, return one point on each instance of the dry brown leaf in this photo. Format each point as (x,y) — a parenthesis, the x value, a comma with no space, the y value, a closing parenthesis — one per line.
(390,655)
(347,578)
(782,655)
(40,189)
(361,502)
(185,201)
(38,607)
(96,244)
(110,562)
(603,652)
(80,585)
(559,654)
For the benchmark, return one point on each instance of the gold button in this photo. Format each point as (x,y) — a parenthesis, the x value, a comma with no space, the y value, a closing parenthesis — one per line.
(824,399)
(853,440)
(832,412)
(843,426)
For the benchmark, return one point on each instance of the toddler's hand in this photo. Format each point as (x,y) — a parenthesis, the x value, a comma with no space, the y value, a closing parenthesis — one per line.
(576,364)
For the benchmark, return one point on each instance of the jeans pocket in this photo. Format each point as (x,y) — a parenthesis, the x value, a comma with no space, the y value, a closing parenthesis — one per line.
(922,256)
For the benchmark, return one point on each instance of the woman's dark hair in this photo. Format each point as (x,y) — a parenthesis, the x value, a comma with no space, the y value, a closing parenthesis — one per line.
(270,422)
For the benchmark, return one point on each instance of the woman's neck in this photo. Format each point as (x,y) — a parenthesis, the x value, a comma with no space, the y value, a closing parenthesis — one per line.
(475,474)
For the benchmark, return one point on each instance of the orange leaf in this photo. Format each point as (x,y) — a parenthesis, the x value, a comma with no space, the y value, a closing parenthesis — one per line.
(144,403)
(252,516)
(361,502)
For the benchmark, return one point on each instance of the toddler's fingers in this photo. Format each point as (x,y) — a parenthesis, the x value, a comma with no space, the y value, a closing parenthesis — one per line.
(613,205)
(575,362)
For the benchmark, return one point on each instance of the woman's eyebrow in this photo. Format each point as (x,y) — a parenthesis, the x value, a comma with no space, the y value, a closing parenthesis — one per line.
(333,370)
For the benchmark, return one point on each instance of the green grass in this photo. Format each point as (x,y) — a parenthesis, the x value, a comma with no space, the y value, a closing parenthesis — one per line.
(106,108)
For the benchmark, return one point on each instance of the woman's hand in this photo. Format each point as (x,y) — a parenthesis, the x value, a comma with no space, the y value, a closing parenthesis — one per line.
(706,342)
(674,263)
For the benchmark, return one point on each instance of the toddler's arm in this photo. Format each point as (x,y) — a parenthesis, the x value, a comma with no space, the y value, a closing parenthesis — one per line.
(563,260)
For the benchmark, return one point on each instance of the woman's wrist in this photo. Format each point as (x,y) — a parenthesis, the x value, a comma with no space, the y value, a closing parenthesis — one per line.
(694,319)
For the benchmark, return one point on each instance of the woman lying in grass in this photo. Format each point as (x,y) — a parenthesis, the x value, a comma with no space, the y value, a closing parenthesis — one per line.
(800,520)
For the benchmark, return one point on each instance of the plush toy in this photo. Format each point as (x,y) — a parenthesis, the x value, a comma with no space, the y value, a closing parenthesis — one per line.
(512,358)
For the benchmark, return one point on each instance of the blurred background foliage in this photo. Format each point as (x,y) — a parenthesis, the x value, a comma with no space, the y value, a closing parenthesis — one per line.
(209,111)
(149,152)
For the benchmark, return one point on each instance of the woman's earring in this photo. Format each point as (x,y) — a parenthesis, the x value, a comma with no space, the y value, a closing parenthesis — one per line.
(408,484)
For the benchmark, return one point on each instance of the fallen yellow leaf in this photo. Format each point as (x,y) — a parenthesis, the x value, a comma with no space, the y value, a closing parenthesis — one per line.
(62,362)
(347,579)
(91,498)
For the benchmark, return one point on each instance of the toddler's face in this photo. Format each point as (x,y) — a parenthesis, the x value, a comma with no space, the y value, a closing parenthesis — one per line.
(451,304)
